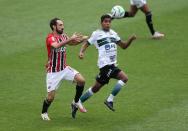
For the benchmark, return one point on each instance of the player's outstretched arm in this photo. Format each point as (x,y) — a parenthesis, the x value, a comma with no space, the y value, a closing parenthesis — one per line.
(79,39)
(83,49)
(126,44)
(73,39)
(63,43)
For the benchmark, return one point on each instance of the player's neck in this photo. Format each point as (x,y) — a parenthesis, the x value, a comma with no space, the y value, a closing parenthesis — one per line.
(105,30)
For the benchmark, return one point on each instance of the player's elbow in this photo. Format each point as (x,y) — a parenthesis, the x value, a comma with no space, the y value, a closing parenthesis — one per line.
(55,46)
(124,47)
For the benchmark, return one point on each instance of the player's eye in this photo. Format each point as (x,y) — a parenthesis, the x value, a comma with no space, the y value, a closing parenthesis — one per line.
(107,21)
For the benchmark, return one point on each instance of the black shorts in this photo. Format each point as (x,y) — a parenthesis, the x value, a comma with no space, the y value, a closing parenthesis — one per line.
(107,72)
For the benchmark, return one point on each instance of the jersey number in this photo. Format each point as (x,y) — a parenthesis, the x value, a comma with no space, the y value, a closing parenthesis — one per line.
(109,46)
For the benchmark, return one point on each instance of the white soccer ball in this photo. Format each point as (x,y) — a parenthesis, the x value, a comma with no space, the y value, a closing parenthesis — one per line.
(117,11)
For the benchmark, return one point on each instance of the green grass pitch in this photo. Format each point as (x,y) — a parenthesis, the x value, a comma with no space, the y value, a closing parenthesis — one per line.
(155,98)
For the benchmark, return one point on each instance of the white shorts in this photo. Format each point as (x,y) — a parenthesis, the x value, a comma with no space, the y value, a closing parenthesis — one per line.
(54,79)
(138,3)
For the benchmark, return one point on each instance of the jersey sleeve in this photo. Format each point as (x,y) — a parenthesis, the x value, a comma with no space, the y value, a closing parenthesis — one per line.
(93,39)
(50,40)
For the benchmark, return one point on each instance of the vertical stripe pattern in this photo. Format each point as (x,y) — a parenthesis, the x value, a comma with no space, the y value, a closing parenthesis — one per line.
(57,56)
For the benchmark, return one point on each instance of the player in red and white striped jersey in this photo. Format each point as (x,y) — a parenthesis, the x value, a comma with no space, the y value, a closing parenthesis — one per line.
(58,70)
(56,56)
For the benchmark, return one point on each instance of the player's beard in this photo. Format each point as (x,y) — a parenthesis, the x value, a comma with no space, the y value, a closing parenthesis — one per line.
(59,31)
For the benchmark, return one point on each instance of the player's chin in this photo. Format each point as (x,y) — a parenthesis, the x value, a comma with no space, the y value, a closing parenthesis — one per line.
(60,31)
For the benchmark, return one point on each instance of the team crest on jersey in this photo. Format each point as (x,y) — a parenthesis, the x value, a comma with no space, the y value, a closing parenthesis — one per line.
(53,39)
(61,49)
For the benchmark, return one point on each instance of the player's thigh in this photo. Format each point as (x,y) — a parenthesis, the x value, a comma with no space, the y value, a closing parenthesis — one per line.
(145,8)
(104,76)
(138,3)
(53,81)
(70,74)
(133,10)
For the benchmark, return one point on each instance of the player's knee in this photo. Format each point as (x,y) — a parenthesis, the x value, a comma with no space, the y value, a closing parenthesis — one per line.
(148,14)
(50,98)
(95,89)
(125,79)
(81,82)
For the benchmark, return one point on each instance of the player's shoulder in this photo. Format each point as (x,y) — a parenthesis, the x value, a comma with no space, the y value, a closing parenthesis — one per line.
(50,35)
(112,31)
(50,38)
(96,31)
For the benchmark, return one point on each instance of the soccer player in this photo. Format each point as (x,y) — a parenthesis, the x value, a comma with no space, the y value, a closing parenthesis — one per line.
(106,41)
(143,6)
(57,69)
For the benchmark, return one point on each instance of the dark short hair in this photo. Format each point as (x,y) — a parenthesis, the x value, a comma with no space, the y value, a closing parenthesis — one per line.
(105,16)
(53,22)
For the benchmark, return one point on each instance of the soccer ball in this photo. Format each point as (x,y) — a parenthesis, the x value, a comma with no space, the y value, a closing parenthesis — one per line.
(117,11)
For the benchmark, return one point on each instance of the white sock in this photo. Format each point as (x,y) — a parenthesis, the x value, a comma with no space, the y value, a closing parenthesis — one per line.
(110,98)
(90,91)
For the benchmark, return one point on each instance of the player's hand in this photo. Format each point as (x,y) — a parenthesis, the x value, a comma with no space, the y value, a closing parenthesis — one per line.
(76,38)
(82,37)
(133,37)
(81,55)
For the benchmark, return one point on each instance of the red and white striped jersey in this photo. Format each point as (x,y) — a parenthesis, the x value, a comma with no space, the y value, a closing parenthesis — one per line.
(56,56)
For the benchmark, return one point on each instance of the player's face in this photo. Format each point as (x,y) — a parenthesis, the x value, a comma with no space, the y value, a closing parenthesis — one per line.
(59,27)
(106,24)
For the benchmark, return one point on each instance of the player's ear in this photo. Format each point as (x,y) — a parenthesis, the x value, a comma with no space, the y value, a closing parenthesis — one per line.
(54,27)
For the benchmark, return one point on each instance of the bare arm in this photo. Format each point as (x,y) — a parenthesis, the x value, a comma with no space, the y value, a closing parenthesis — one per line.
(57,45)
(83,49)
(75,39)
(81,38)
(126,44)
